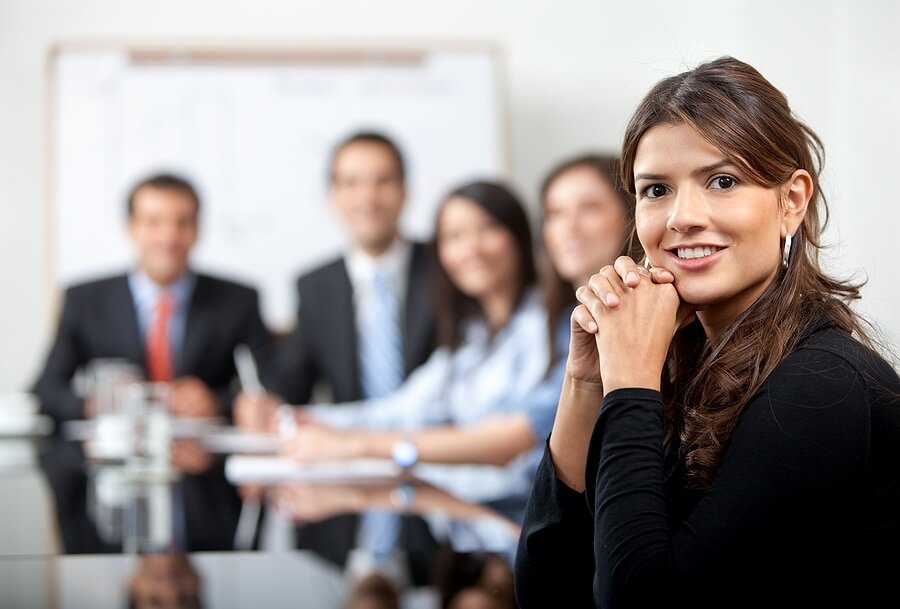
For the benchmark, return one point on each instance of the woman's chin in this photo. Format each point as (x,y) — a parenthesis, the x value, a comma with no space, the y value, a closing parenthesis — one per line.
(698,299)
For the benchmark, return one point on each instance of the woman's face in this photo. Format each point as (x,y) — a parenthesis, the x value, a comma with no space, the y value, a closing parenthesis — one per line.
(700,217)
(584,225)
(477,252)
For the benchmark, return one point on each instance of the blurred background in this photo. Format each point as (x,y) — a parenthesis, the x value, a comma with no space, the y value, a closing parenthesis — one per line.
(563,77)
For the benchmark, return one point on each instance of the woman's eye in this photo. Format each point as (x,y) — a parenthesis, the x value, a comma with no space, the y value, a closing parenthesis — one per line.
(723,182)
(654,191)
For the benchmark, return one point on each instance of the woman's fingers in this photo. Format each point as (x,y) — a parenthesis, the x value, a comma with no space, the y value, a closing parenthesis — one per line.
(660,275)
(583,317)
(628,270)
(612,282)
(607,286)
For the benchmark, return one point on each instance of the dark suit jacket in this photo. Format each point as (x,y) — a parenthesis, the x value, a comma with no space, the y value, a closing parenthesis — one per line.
(323,347)
(99,320)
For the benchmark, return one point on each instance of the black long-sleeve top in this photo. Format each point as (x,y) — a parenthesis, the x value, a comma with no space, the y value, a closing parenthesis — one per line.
(804,509)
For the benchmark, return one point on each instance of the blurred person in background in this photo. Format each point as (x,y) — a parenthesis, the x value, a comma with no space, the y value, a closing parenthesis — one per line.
(177,325)
(377,288)
(468,399)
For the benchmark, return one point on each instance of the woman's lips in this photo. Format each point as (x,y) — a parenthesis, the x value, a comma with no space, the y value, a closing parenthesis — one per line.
(695,264)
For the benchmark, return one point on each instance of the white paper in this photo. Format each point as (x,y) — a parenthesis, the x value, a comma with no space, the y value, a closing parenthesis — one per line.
(240,469)
(229,441)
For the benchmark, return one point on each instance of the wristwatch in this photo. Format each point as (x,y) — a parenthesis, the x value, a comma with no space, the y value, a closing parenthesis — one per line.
(404,453)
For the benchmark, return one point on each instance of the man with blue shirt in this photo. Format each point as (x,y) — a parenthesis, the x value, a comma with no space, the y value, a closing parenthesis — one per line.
(180,327)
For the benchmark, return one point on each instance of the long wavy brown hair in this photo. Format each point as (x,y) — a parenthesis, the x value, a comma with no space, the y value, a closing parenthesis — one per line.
(711,379)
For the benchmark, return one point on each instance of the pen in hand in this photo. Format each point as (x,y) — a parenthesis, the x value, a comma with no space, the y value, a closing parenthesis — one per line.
(248,374)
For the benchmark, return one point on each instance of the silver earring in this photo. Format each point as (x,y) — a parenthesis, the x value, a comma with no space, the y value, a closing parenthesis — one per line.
(786,254)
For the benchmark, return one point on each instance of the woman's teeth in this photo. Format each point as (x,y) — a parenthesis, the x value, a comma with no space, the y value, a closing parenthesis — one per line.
(696,252)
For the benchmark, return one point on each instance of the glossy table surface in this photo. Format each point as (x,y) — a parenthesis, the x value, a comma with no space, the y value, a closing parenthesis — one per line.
(76,531)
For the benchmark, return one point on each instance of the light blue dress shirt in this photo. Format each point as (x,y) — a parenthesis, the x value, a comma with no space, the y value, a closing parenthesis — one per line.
(487,375)
(146,293)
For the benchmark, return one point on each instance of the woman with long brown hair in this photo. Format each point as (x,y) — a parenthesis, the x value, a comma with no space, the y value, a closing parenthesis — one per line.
(726,434)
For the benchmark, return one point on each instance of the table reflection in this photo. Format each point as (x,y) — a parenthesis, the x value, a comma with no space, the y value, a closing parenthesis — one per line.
(393,542)
(164,581)
(104,507)
(162,524)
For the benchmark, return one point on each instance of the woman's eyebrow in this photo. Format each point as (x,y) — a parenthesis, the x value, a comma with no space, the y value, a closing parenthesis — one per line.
(712,167)
(650,176)
(695,172)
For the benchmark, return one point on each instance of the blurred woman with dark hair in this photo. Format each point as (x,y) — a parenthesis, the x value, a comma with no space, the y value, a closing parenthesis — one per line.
(470,402)
(588,220)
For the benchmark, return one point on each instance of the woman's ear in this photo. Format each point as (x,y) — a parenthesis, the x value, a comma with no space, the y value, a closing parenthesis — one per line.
(795,195)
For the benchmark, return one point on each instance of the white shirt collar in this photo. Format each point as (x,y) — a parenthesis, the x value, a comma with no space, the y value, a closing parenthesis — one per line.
(395,262)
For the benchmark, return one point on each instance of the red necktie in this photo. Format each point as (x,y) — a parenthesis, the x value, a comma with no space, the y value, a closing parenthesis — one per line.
(159,355)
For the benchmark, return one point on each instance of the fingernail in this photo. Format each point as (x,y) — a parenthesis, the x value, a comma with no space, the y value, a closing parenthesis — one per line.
(612,299)
(592,327)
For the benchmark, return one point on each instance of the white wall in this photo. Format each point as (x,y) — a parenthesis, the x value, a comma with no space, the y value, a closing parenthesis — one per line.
(575,71)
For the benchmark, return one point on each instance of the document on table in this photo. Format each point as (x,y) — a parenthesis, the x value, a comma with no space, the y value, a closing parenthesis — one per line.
(244,469)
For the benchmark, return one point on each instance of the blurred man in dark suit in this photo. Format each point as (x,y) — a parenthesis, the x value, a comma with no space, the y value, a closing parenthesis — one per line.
(365,319)
(179,326)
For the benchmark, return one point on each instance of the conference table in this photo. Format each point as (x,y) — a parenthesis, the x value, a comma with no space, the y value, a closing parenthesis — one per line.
(218,527)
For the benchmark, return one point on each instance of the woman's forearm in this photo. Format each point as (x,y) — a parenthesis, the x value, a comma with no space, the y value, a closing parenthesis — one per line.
(579,405)
(496,441)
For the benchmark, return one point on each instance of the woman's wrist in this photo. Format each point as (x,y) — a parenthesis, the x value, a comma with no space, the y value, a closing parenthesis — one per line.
(631,378)
(376,444)
(631,381)
(583,387)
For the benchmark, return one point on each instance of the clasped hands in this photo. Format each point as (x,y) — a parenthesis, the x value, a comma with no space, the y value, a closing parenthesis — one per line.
(623,325)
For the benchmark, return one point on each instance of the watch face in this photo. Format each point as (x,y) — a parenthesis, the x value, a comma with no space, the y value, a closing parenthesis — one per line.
(405,454)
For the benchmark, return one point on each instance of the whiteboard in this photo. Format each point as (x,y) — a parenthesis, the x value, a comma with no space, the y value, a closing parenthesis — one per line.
(254,132)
